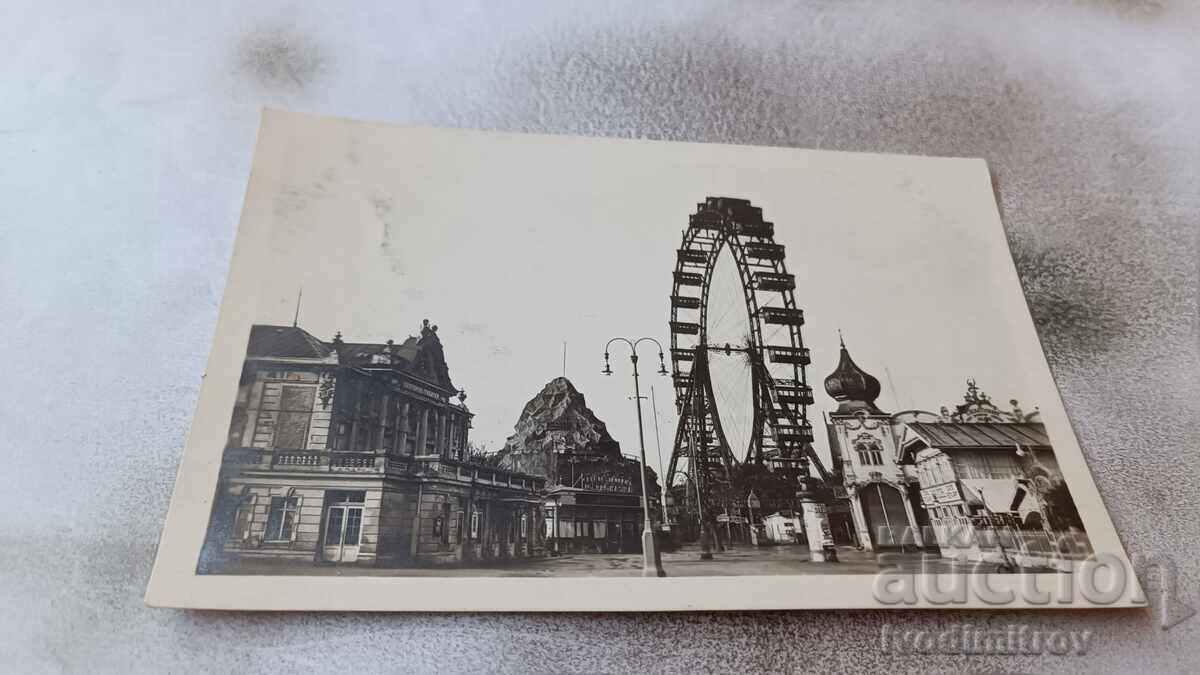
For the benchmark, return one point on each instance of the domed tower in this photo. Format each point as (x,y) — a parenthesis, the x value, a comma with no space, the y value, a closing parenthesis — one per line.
(852,387)
(863,446)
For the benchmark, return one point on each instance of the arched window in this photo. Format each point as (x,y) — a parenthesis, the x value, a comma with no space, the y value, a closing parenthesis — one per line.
(282,517)
(869,451)
(244,515)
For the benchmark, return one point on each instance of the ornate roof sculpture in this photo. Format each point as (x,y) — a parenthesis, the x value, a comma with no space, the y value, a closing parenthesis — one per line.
(854,388)
(978,407)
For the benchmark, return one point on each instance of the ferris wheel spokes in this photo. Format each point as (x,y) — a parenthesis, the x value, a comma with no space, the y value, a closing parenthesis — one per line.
(773,348)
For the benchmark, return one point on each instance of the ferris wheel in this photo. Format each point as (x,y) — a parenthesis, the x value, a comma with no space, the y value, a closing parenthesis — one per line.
(737,352)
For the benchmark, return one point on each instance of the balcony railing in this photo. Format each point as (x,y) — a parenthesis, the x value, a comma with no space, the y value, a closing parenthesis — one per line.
(379,463)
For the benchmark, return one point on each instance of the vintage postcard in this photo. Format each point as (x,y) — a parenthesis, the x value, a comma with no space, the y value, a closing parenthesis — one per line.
(472,371)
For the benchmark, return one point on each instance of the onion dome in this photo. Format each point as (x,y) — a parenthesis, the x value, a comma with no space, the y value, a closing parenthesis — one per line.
(853,387)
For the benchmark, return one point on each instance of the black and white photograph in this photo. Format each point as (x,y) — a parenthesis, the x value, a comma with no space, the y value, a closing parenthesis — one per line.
(542,337)
(459,354)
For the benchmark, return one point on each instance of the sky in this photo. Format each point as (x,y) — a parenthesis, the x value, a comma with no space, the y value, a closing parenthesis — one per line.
(514,245)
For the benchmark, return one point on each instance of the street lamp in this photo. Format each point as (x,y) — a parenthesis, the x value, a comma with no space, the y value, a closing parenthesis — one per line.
(651,560)
(661,471)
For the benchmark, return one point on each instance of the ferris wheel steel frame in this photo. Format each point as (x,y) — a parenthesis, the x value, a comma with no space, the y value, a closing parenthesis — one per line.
(780,433)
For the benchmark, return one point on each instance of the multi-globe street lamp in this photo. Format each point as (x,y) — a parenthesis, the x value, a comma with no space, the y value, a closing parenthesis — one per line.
(651,560)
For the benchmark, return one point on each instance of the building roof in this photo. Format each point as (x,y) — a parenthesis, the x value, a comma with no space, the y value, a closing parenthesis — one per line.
(285,342)
(421,356)
(981,435)
(364,352)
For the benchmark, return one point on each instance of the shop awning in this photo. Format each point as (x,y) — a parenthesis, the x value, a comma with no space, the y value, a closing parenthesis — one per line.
(997,496)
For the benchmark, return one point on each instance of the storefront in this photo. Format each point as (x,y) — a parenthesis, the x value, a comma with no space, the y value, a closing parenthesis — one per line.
(583,521)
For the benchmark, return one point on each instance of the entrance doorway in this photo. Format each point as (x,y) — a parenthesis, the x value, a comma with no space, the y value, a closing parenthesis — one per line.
(887,520)
(343,526)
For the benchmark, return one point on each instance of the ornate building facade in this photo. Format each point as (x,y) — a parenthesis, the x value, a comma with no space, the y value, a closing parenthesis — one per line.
(883,496)
(992,485)
(344,452)
(977,483)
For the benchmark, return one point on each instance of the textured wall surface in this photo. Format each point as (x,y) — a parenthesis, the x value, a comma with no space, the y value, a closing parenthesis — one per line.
(125,144)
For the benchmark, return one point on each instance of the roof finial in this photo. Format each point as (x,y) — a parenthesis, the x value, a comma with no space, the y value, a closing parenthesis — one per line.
(841,339)
(296,317)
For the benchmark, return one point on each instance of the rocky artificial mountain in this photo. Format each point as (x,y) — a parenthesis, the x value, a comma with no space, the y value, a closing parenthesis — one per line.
(556,420)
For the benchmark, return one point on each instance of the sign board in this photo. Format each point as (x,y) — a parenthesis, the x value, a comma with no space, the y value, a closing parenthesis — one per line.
(426,392)
(815,507)
(946,493)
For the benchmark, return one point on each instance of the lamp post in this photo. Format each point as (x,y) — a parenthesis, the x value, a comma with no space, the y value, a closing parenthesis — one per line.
(661,472)
(651,560)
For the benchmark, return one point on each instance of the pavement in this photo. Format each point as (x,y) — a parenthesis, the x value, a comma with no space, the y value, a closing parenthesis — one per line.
(685,562)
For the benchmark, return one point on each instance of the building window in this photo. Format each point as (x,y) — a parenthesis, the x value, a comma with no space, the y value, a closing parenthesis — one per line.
(391,423)
(458,527)
(432,431)
(474,524)
(341,437)
(454,444)
(281,521)
(295,413)
(524,526)
(376,419)
(363,429)
(343,526)
(869,452)
(413,424)
(237,425)
(346,496)
(242,518)
(387,430)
